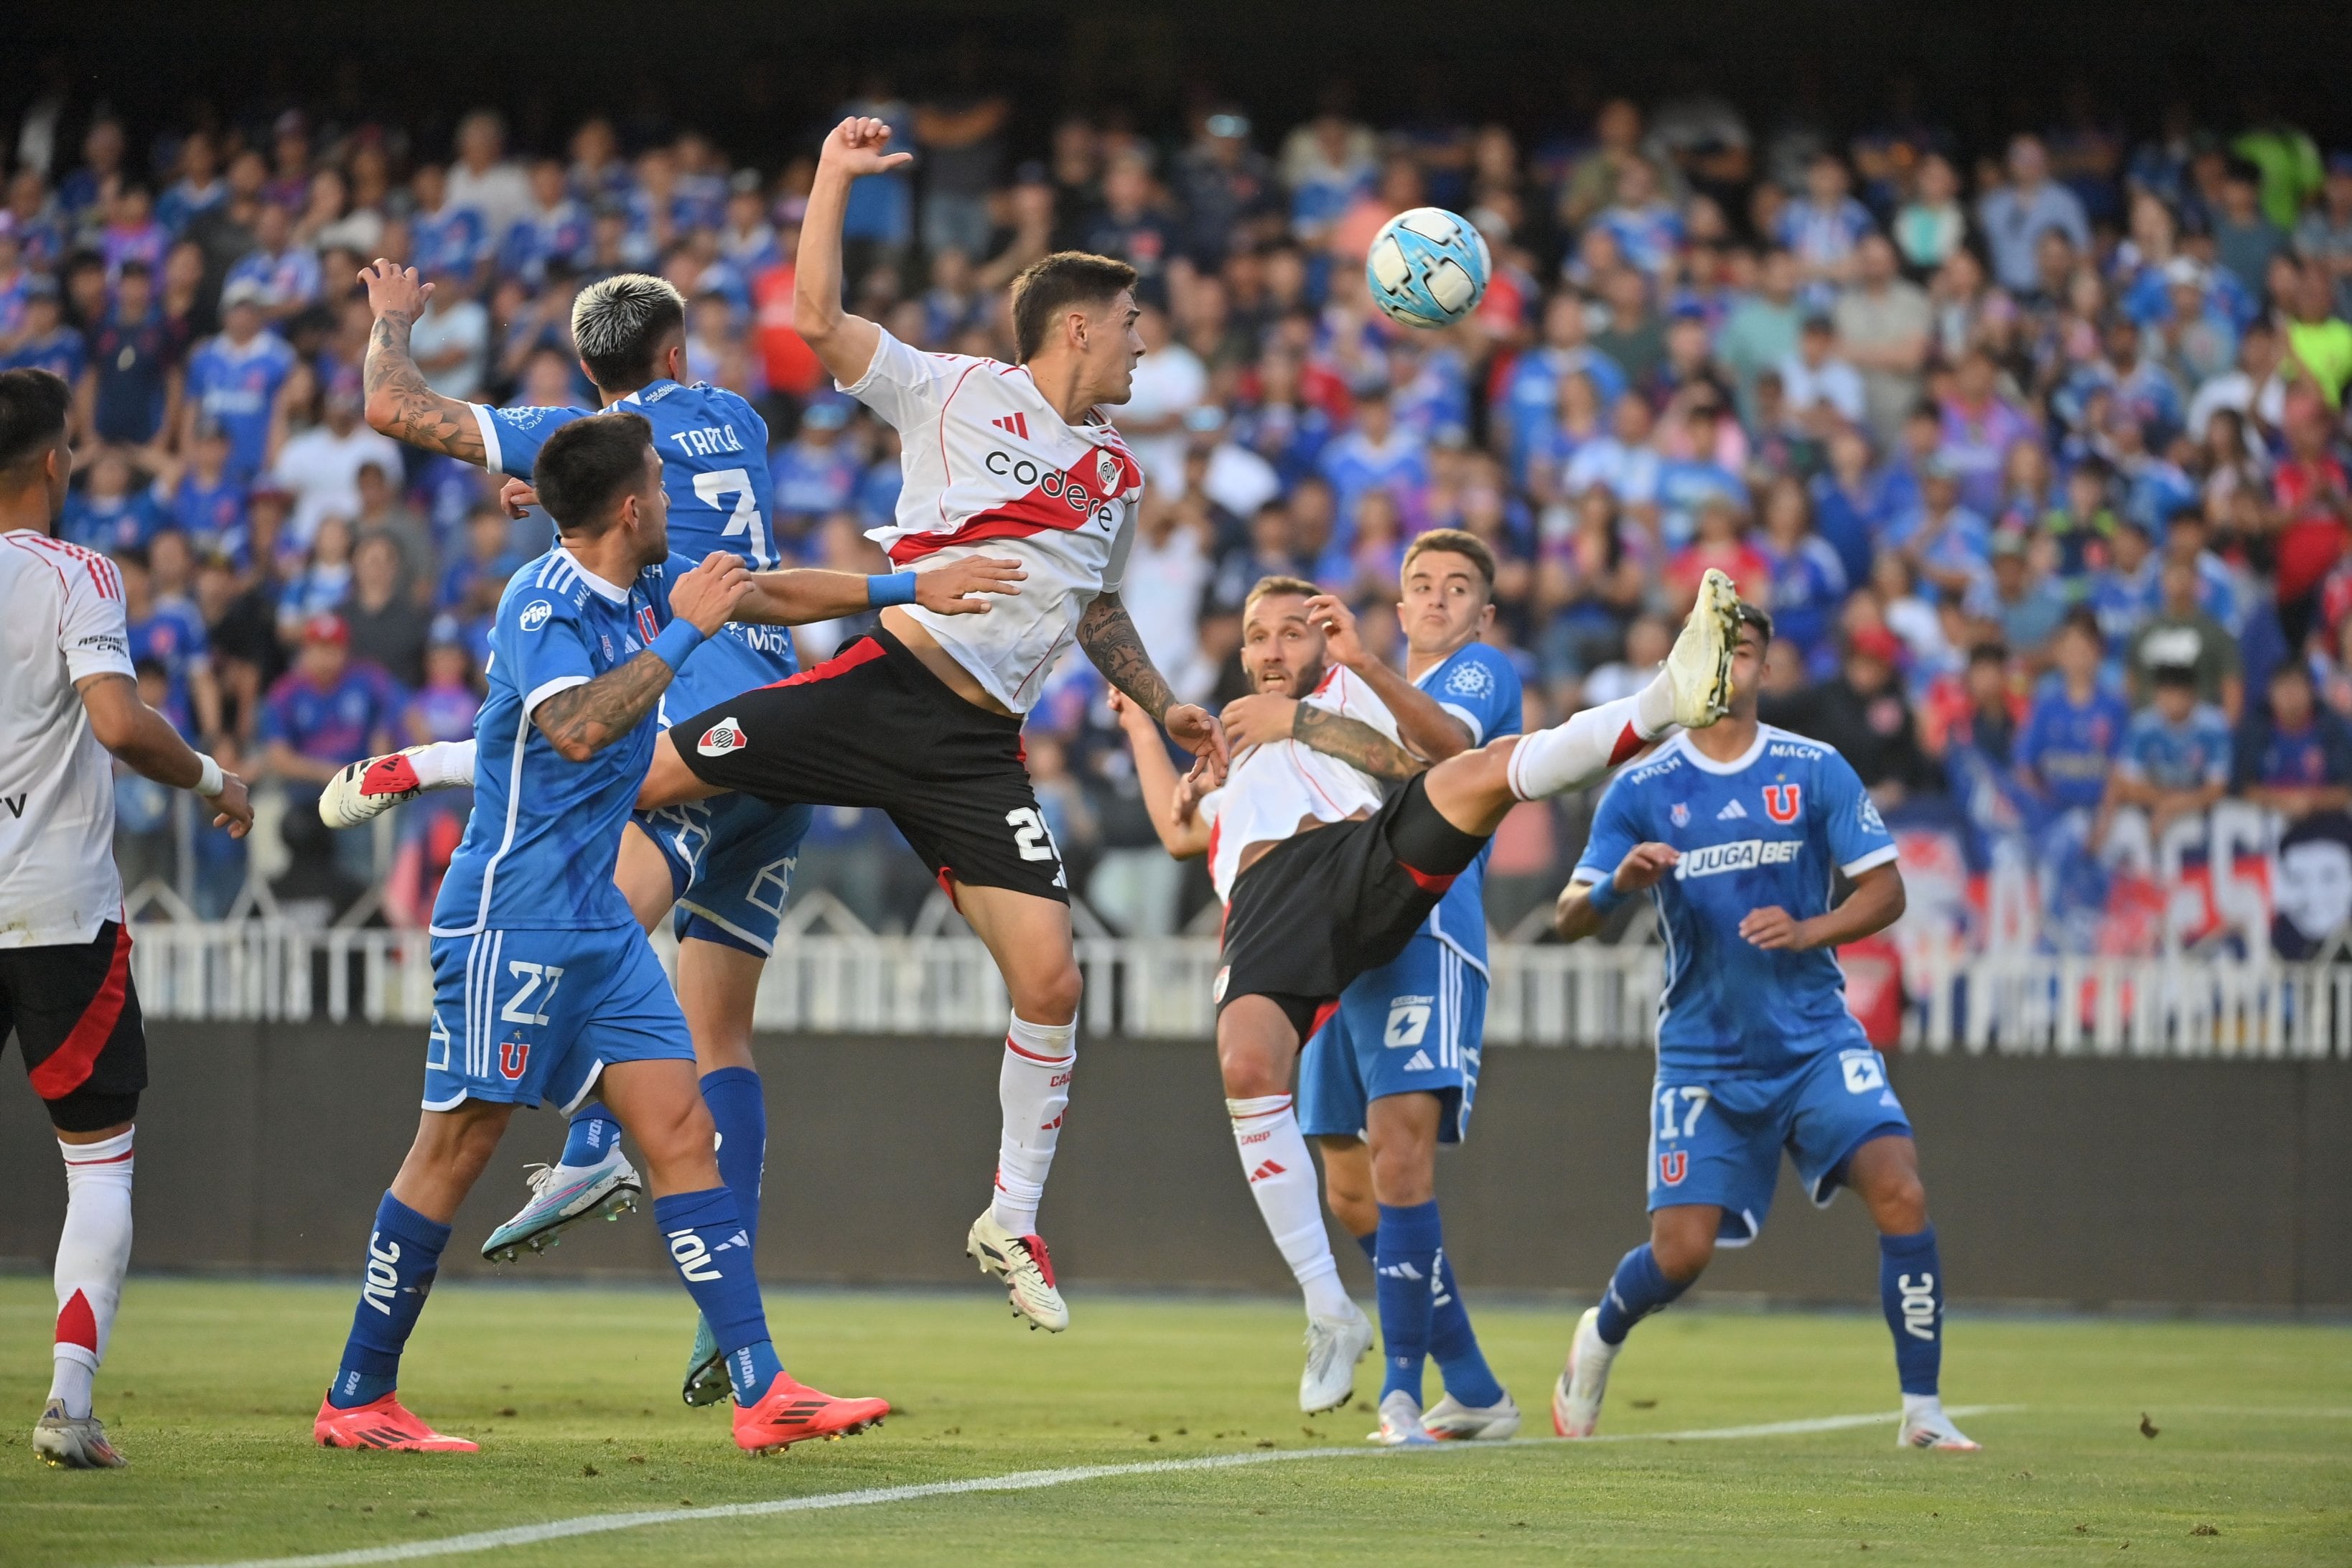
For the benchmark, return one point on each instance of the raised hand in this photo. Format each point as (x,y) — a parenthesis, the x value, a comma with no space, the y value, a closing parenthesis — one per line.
(857,146)
(707,596)
(1341,644)
(393,290)
(516,498)
(954,589)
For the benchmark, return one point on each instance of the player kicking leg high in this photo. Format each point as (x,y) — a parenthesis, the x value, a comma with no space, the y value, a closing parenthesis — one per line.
(1324,882)
(1393,1073)
(725,864)
(1736,834)
(545,986)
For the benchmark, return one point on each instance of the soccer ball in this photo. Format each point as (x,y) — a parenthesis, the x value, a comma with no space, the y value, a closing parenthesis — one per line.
(1428,267)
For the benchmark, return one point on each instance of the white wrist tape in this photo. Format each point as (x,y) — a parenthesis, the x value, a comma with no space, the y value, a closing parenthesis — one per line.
(210,783)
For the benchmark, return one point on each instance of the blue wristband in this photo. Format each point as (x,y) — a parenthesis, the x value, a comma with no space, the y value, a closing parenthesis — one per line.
(890,588)
(677,640)
(1602,896)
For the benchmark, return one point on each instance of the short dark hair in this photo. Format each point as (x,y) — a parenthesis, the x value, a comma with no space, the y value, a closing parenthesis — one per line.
(1990,653)
(1759,617)
(1453,541)
(2165,674)
(618,322)
(2083,620)
(586,467)
(33,405)
(1064,278)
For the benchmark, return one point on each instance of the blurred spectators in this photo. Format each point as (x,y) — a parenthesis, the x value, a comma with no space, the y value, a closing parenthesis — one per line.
(2034,447)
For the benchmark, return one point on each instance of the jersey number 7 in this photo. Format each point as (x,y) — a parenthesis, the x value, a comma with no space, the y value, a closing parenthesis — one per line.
(745,519)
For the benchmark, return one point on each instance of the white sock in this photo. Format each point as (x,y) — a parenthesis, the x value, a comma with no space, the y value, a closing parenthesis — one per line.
(1581,751)
(1032,1087)
(444,765)
(92,1253)
(1918,1408)
(1282,1179)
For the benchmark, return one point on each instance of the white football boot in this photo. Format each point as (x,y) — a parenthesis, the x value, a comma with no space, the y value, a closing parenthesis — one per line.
(1401,1424)
(1700,665)
(1925,1425)
(563,1196)
(1576,1396)
(1334,1346)
(1024,1266)
(64,1443)
(1451,1421)
(368,788)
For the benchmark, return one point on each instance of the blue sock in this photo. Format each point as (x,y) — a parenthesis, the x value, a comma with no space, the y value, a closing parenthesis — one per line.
(1453,1346)
(403,1254)
(705,1235)
(1911,1289)
(1635,1290)
(594,1133)
(741,1113)
(1404,1264)
(1371,1243)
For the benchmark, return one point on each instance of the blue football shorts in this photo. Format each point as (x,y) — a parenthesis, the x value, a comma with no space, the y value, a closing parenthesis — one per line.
(1413,1025)
(1718,1140)
(522,1016)
(730,862)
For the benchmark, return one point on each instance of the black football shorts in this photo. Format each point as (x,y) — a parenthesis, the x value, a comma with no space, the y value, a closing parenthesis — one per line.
(76,1016)
(872,727)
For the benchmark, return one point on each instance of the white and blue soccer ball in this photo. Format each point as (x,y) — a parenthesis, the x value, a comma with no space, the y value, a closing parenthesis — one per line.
(1428,267)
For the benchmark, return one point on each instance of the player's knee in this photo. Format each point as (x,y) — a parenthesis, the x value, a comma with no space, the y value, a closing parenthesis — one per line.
(1048,992)
(1899,1204)
(1404,1177)
(1682,1250)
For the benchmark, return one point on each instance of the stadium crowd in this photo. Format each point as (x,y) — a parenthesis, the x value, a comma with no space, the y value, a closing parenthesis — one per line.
(2037,452)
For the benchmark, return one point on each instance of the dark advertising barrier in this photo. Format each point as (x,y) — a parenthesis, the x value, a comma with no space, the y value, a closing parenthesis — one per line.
(2077,1181)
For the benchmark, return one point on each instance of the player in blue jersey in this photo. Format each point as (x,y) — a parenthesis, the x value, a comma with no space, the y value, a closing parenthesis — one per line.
(544,985)
(1393,1073)
(724,864)
(1738,833)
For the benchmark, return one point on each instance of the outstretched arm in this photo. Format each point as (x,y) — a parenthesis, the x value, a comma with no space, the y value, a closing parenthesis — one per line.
(1355,742)
(1172,802)
(844,343)
(1421,720)
(1110,641)
(399,404)
(801,594)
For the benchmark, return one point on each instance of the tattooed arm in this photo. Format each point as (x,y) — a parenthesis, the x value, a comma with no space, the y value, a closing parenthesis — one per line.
(1111,640)
(1354,742)
(399,402)
(582,720)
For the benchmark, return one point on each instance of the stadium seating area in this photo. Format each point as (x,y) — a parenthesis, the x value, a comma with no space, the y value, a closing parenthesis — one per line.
(2036,452)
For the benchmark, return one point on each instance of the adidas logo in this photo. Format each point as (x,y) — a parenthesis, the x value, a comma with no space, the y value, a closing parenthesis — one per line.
(1400,1271)
(1419,1062)
(1732,812)
(1015,423)
(1265,1172)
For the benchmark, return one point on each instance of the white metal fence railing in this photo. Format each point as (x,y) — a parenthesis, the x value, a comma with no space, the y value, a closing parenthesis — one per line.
(1585,995)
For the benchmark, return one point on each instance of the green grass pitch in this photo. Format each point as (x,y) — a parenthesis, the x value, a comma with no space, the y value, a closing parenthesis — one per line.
(571,1391)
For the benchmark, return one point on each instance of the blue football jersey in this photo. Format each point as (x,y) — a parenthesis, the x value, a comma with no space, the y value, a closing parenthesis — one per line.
(1480,687)
(714,452)
(545,831)
(1771,828)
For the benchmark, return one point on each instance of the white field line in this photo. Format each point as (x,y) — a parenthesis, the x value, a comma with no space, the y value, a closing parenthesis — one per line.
(1019,1482)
